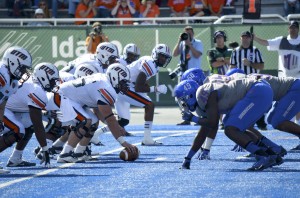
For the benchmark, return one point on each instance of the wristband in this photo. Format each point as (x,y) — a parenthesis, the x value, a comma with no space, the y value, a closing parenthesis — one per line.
(121,140)
(152,89)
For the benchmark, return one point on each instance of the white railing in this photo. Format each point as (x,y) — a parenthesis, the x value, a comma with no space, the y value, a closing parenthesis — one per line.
(263,16)
(149,21)
(293,16)
(57,21)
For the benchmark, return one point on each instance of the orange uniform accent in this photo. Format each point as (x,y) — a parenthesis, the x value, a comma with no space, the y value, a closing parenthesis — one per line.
(137,97)
(9,124)
(108,98)
(148,69)
(79,116)
(57,99)
(37,101)
(2,81)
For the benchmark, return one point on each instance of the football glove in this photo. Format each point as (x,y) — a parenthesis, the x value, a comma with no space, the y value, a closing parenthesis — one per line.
(187,116)
(161,89)
(45,158)
(204,155)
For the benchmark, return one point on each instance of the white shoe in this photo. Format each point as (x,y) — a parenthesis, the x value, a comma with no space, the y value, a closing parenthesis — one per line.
(151,143)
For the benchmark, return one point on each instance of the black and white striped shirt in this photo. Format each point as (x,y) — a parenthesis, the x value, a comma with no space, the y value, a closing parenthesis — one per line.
(252,54)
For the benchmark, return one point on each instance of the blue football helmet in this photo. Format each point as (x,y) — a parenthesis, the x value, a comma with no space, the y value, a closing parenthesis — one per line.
(233,71)
(195,74)
(185,95)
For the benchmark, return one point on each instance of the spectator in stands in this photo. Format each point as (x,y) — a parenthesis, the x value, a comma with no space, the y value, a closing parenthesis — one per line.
(197,9)
(123,9)
(95,38)
(104,8)
(215,7)
(85,9)
(149,9)
(44,6)
(291,7)
(16,8)
(136,4)
(72,7)
(39,14)
(179,8)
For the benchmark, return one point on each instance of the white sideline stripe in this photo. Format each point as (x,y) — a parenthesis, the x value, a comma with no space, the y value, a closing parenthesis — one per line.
(71,164)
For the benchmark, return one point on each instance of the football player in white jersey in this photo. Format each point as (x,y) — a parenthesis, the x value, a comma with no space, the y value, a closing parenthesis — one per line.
(23,113)
(140,72)
(131,53)
(102,90)
(106,54)
(15,63)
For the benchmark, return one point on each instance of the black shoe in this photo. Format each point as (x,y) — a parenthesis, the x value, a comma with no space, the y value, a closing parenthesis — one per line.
(184,123)
(263,128)
(21,163)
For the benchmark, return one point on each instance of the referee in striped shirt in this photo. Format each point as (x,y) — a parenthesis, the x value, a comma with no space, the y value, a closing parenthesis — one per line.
(248,58)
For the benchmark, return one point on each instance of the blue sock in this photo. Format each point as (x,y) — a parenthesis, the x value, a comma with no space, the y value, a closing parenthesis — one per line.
(252,148)
(191,154)
(268,142)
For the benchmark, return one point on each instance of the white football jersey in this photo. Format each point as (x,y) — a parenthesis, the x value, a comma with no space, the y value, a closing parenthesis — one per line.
(86,58)
(65,76)
(88,90)
(144,64)
(7,87)
(29,93)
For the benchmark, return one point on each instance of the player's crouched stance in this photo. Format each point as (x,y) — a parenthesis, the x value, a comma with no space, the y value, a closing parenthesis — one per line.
(251,99)
(102,90)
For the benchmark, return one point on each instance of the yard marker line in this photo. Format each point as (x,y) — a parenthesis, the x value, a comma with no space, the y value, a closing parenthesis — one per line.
(50,170)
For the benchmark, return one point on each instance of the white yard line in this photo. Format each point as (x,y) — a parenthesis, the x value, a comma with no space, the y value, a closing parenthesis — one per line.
(3,185)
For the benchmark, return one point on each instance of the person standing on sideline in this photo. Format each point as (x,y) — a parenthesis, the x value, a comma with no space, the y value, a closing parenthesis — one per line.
(288,48)
(95,38)
(190,51)
(248,58)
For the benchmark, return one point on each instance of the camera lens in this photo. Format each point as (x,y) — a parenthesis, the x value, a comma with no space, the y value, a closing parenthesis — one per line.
(184,36)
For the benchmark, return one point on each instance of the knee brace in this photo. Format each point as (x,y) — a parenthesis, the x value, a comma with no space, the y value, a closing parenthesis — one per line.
(89,134)
(123,122)
(81,134)
(94,127)
(28,133)
(11,137)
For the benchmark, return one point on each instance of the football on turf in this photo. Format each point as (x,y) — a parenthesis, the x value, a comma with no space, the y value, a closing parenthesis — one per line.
(127,156)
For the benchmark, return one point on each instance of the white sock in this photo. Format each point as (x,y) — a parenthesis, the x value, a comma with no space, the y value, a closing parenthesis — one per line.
(67,149)
(208,143)
(16,154)
(58,143)
(147,130)
(79,148)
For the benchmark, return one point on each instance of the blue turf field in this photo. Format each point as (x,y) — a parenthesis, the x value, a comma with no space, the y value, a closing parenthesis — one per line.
(156,173)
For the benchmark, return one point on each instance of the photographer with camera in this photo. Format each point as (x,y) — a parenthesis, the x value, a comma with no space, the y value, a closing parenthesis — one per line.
(95,38)
(190,51)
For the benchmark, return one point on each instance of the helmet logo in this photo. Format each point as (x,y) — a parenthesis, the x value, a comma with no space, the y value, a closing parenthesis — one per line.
(47,70)
(86,70)
(121,71)
(19,54)
(111,50)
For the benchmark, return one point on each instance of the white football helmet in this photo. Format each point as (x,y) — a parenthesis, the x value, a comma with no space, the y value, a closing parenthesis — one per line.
(18,61)
(119,77)
(85,69)
(47,75)
(131,53)
(107,53)
(161,50)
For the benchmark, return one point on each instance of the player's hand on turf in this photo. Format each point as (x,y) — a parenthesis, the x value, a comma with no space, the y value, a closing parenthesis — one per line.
(187,116)
(238,148)
(45,158)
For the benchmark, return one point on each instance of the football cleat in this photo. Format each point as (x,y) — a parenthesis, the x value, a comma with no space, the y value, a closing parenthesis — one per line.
(4,171)
(262,162)
(238,148)
(151,143)
(68,158)
(186,163)
(20,163)
(297,148)
(280,151)
(278,160)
